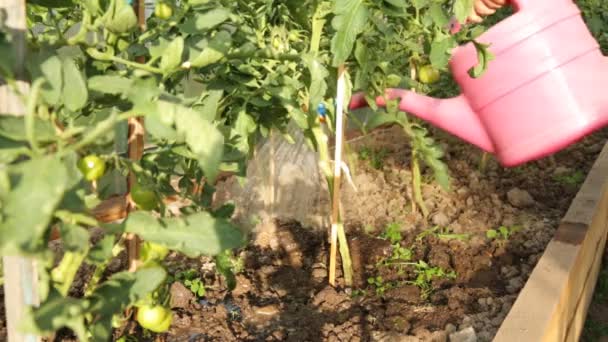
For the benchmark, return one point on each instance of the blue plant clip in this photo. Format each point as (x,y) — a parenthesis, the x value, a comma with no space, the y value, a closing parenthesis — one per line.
(322,111)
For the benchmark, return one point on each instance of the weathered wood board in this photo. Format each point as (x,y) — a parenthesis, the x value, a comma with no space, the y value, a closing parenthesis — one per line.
(553,304)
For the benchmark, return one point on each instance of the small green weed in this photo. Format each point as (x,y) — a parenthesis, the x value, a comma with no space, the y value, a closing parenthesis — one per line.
(503,233)
(375,157)
(358,293)
(192,281)
(576,178)
(379,285)
(392,232)
(442,233)
(369,229)
(425,274)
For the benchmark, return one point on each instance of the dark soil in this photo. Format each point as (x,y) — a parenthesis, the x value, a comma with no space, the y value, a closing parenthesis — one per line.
(282,292)
(283,295)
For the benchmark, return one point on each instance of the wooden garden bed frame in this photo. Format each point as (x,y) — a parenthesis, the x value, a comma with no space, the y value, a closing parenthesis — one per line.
(553,304)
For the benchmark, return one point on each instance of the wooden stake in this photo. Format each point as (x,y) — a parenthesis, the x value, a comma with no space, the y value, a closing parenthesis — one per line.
(413,192)
(135,149)
(335,212)
(20,275)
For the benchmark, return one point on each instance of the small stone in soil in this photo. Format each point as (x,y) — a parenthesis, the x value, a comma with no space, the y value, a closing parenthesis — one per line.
(561,170)
(243,285)
(180,296)
(497,321)
(519,198)
(441,219)
(484,336)
(438,336)
(450,328)
(515,284)
(422,333)
(319,273)
(465,335)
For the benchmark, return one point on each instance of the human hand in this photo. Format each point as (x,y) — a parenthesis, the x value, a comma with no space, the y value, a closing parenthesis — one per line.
(484,8)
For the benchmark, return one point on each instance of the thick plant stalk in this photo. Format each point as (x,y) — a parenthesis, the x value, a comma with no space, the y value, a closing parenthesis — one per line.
(483,163)
(416,185)
(100,269)
(337,228)
(135,150)
(413,193)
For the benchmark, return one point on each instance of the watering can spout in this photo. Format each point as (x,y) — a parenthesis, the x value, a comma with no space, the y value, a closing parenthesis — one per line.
(453,115)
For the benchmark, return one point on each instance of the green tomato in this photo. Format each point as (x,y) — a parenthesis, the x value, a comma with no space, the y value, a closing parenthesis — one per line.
(163,10)
(393,80)
(294,36)
(427,74)
(156,318)
(145,199)
(153,251)
(122,44)
(92,167)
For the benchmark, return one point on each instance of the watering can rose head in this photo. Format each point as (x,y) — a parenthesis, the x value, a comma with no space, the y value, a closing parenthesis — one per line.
(542,91)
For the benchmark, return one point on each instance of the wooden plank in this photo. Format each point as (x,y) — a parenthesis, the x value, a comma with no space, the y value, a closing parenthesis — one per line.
(578,322)
(553,304)
(20,276)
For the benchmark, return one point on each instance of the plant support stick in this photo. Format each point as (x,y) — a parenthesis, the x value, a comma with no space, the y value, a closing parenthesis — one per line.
(136,150)
(337,228)
(20,273)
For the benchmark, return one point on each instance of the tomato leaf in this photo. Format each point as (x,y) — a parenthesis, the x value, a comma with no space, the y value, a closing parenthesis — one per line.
(440,52)
(120,17)
(48,65)
(74,237)
(194,235)
(484,56)
(318,85)
(118,292)
(437,14)
(110,84)
(102,250)
(209,105)
(172,56)
(11,150)
(462,9)
(75,92)
(212,51)
(204,21)
(13,127)
(38,183)
(55,313)
(351,17)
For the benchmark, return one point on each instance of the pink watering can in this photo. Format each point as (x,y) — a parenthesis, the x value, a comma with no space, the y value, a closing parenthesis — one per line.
(546,88)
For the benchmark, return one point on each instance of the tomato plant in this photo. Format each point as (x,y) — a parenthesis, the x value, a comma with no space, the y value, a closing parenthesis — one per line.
(218,76)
